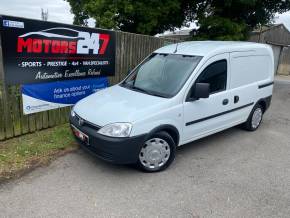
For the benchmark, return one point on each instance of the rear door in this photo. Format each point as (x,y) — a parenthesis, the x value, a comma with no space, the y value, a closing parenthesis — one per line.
(203,116)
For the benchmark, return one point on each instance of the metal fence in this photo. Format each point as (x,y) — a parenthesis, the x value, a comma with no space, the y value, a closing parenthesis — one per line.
(130,50)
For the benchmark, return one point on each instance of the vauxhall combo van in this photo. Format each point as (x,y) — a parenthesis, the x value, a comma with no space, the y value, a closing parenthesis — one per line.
(178,94)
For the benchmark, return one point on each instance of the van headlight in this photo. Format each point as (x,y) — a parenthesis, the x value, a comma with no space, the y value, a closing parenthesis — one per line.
(116,130)
(72,112)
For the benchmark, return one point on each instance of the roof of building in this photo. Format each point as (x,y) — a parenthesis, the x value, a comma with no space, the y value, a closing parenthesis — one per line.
(202,48)
(275,35)
(185,32)
(270,27)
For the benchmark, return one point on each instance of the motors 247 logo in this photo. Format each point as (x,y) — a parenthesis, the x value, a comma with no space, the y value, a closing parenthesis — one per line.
(61,40)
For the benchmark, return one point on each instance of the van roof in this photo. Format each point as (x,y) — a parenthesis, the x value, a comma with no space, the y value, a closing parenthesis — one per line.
(203,48)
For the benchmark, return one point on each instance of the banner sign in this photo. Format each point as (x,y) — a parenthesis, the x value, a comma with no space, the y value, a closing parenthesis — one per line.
(52,95)
(37,51)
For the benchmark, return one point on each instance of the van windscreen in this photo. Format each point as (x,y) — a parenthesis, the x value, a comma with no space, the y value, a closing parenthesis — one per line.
(162,74)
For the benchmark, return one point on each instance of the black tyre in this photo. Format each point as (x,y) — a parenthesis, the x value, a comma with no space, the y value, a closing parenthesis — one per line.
(255,118)
(157,153)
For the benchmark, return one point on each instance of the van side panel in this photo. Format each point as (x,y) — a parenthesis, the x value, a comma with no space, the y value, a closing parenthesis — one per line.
(249,69)
(251,78)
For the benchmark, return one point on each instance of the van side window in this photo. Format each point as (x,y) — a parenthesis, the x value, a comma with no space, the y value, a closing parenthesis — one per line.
(216,75)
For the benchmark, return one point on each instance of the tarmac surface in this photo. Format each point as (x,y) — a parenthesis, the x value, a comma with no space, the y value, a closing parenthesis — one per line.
(234,173)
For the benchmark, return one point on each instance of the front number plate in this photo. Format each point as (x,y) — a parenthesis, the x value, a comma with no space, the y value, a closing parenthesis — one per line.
(80,135)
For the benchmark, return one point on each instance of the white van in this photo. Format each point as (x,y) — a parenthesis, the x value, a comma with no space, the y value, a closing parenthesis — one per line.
(180,93)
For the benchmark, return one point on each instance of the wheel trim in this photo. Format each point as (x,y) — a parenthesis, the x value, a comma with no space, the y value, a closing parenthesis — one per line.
(257,117)
(154,153)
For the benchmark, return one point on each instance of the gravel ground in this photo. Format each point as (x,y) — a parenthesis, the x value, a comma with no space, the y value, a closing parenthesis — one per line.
(230,174)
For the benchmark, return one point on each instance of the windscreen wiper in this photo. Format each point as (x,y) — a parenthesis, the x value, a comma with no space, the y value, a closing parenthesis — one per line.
(130,86)
(125,84)
(140,89)
(147,92)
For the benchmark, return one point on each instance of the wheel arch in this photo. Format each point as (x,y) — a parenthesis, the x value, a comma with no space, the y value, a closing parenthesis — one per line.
(265,103)
(170,129)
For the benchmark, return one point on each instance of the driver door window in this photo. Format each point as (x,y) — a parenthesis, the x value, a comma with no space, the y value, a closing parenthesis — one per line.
(200,115)
(216,75)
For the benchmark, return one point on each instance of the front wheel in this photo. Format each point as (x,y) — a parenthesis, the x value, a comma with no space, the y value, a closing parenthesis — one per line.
(157,153)
(254,119)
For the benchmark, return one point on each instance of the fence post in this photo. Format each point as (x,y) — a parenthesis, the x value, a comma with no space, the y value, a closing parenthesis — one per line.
(6,121)
(2,117)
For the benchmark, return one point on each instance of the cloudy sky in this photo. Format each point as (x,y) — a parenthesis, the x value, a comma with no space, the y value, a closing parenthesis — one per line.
(59,10)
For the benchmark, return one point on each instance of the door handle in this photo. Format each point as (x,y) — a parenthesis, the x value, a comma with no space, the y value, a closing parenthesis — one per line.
(236,99)
(225,101)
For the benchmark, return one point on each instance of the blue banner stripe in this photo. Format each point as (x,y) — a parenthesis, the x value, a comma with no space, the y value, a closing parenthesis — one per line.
(65,92)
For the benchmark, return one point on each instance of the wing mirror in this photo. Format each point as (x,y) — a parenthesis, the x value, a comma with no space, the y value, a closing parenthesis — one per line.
(200,90)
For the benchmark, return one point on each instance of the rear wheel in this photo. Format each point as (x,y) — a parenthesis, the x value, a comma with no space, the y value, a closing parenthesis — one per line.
(254,119)
(157,153)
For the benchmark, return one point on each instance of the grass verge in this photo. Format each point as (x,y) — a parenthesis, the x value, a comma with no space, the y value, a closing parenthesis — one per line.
(22,154)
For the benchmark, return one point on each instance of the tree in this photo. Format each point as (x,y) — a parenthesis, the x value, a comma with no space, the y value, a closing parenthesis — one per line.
(217,19)
(142,16)
(80,13)
(234,19)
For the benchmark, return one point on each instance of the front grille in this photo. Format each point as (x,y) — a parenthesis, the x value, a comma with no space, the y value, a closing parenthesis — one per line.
(82,122)
(96,151)
(103,154)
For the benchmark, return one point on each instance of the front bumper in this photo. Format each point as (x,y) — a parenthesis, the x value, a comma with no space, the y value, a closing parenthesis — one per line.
(111,149)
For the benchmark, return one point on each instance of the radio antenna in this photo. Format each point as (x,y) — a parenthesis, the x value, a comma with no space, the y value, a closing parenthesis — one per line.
(176,48)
